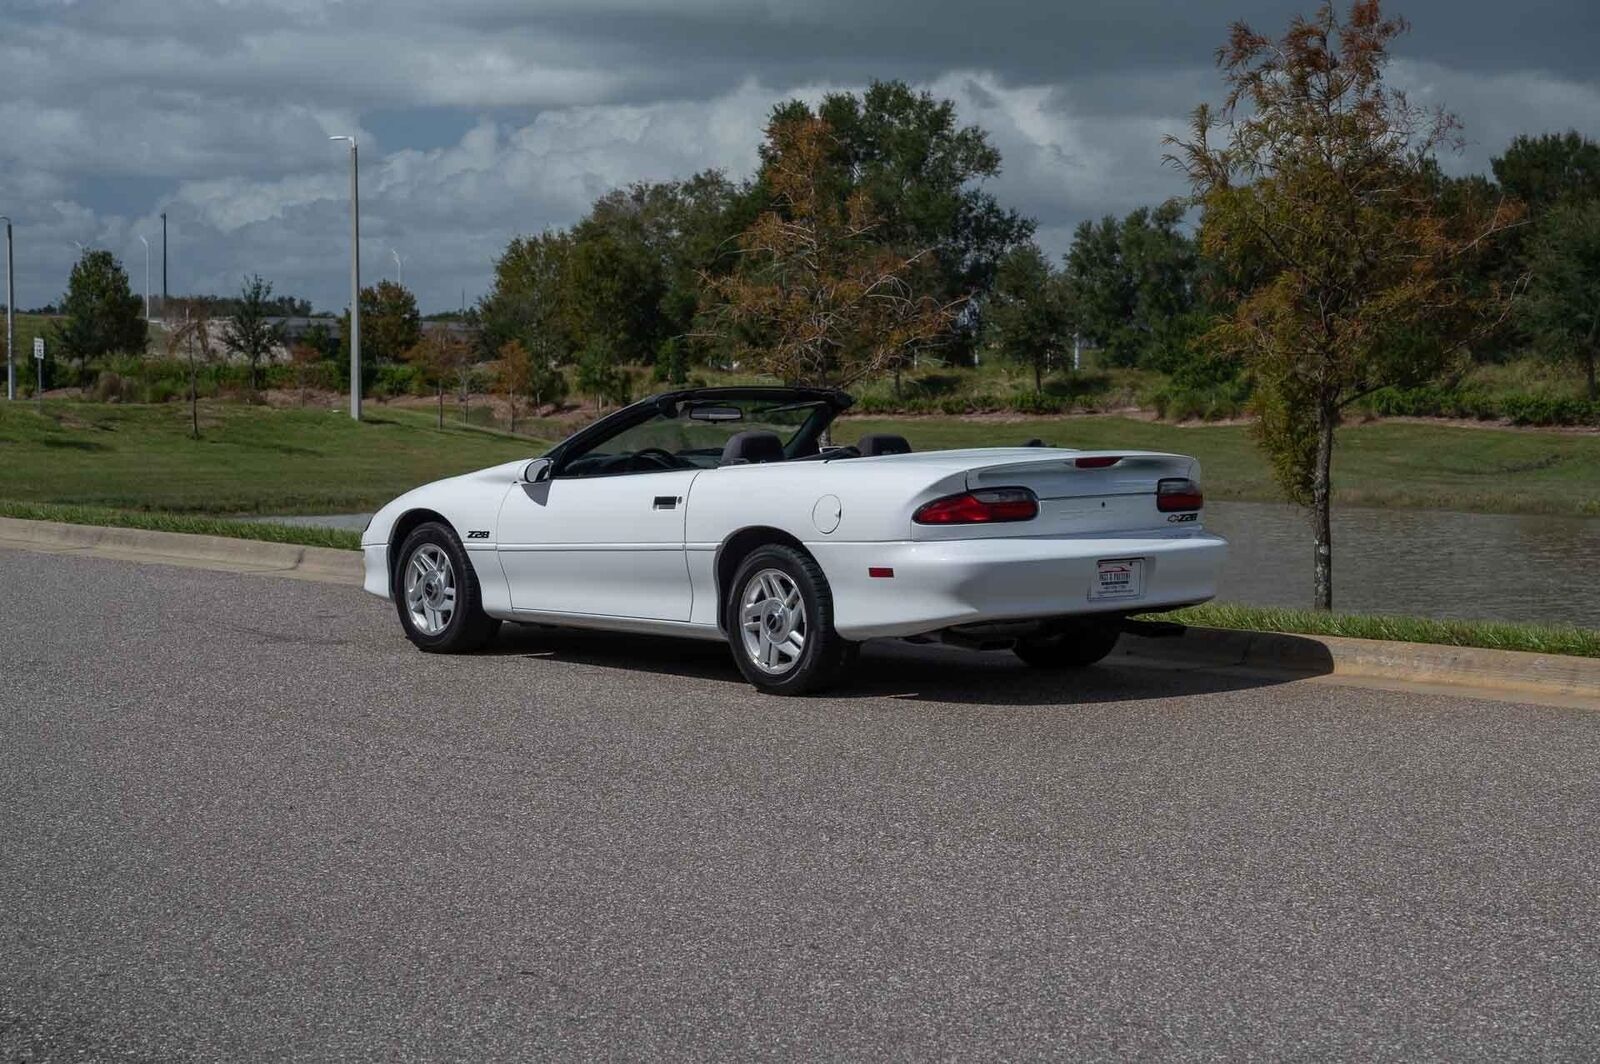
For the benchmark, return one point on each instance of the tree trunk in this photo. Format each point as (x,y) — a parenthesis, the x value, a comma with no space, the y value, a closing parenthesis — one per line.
(194,402)
(1038,379)
(1321,511)
(1589,368)
(511,402)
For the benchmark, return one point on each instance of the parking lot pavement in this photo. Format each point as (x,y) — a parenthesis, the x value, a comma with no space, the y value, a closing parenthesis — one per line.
(240,818)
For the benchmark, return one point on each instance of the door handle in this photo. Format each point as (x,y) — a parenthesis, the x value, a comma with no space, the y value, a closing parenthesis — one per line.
(666,502)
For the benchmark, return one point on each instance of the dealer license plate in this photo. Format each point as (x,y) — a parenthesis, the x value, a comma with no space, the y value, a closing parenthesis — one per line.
(1118,578)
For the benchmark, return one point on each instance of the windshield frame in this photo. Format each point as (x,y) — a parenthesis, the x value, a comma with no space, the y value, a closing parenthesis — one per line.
(826,403)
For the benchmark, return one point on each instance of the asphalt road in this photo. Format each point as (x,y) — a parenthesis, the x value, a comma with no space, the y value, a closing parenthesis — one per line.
(241,819)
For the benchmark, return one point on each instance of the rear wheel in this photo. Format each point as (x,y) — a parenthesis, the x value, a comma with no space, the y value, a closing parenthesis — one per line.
(1072,646)
(437,593)
(780,623)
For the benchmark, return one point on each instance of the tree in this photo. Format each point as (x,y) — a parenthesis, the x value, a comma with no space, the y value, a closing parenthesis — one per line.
(599,376)
(440,356)
(657,239)
(303,356)
(1563,305)
(1549,169)
(1542,172)
(525,302)
(1321,186)
(1028,319)
(189,336)
(922,175)
(249,332)
(102,313)
(817,300)
(319,336)
(390,324)
(520,374)
(1136,286)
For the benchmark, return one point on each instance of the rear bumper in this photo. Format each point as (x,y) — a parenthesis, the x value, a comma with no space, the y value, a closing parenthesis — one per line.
(375,560)
(944,583)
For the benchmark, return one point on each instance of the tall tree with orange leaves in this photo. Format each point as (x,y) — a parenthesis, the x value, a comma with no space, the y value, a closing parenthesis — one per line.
(1315,181)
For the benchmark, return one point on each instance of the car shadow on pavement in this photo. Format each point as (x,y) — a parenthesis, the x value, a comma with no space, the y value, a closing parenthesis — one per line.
(924,673)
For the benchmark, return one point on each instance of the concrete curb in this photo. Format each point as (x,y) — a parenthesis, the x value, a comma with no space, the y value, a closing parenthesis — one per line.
(1572,679)
(1413,663)
(322,564)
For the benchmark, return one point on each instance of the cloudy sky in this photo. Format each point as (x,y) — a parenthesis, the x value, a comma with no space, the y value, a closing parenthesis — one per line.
(480,119)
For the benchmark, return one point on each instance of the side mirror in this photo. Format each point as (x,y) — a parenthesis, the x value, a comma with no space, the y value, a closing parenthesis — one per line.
(537,470)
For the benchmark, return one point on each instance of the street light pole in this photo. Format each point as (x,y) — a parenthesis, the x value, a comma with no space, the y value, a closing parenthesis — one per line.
(11,310)
(146,244)
(355,282)
(399,268)
(163,265)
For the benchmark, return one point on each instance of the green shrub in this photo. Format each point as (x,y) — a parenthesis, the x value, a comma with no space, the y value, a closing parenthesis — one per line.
(1438,401)
(392,379)
(1033,403)
(1206,402)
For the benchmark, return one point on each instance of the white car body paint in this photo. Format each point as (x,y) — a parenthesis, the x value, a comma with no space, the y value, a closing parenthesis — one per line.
(610,552)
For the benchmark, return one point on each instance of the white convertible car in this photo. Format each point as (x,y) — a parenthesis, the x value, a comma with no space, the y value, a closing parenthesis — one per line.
(719,513)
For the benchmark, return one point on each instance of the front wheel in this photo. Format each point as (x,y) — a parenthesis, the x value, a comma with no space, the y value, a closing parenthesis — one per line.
(780,623)
(1073,646)
(437,593)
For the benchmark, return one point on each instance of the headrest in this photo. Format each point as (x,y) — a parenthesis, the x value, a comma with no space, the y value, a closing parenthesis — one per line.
(875,443)
(752,446)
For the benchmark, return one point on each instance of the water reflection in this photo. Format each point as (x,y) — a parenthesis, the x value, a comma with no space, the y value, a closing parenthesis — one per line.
(1429,563)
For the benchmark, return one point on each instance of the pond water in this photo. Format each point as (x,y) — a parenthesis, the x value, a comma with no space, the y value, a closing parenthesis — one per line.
(1426,563)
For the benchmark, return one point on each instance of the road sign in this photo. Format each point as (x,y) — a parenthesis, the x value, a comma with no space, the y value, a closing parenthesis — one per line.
(38,348)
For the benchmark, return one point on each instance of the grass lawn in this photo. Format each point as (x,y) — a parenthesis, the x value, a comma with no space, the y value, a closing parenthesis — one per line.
(247,460)
(191,524)
(259,460)
(1491,635)
(1378,464)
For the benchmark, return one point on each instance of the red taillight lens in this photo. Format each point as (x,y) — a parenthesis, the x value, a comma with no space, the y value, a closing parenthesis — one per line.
(989,506)
(1176,494)
(1097,461)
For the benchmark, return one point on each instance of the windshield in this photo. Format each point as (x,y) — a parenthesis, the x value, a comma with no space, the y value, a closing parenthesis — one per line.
(694,436)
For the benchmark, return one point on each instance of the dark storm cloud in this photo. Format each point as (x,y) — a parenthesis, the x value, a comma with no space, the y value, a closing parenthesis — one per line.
(482,118)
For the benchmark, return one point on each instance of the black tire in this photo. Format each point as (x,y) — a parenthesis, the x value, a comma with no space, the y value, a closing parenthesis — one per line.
(825,654)
(467,627)
(1071,646)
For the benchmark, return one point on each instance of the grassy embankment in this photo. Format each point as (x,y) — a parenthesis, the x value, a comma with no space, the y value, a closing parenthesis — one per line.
(248,460)
(1490,635)
(252,460)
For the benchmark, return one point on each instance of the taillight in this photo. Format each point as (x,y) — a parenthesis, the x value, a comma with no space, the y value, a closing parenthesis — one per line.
(1175,494)
(1097,461)
(989,506)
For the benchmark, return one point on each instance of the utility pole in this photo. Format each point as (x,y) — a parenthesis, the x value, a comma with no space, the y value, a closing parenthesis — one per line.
(399,268)
(355,282)
(146,244)
(11,310)
(163,265)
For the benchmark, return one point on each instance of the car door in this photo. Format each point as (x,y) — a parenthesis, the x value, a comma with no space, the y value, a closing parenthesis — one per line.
(609,546)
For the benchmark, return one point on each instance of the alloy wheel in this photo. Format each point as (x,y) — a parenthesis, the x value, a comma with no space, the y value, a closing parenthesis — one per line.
(430,589)
(772,621)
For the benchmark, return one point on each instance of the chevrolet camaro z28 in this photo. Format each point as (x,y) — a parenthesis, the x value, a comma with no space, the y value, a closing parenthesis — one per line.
(722,513)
